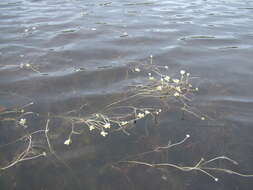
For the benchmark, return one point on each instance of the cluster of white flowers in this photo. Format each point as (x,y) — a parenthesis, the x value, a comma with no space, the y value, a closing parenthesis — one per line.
(22,122)
(167,78)
(124,123)
(91,127)
(159,88)
(182,72)
(140,115)
(147,112)
(162,85)
(176,81)
(176,94)
(137,69)
(107,125)
(103,133)
(68,141)
(178,88)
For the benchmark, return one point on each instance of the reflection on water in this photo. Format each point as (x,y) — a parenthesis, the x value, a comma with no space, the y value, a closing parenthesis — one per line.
(66,53)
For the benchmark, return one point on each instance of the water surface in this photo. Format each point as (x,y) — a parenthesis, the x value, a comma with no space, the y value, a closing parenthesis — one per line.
(82,49)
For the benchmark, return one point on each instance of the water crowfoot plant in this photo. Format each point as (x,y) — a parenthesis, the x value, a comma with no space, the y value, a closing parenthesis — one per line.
(118,118)
(152,94)
(29,153)
(201,166)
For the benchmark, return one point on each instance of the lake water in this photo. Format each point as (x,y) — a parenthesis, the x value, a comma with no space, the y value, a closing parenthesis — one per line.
(78,54)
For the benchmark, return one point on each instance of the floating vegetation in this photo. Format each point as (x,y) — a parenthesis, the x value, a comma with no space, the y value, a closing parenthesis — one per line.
(16,115)
(69,31)
(197,37)
(143,101)
(202,166)
(29,153)
(29,66)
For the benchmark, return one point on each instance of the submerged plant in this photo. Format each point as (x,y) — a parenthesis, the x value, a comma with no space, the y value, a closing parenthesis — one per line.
(160,86)
(29,153)
(152,95)
(202,166)
(120,118)
(17,115)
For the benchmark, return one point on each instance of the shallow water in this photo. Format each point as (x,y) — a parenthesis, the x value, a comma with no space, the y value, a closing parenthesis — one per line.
(81,51)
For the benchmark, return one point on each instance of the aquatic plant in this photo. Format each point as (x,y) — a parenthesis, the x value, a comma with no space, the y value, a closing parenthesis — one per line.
(201,166)
(122,114)
(145,101)
(17,117)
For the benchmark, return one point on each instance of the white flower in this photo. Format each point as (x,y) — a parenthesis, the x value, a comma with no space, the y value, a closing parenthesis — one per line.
(28,65)
(166,67)
(107,126)
(22,121)
(187,136)
(176,94)
(175,80)
(188,74)
(161,79)
(203,118)
(158,111)
(151,78)
(137,69)
(159,88)
(147,112)
(91,127)
(167,78)
(67,142)
(124,122)
(178,88)
(164,177)
(140,115)
(182,72)
(103,133)
(197,89)
(149,74)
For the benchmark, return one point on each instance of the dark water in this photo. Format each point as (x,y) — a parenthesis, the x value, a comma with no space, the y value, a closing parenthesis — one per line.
(81,50)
